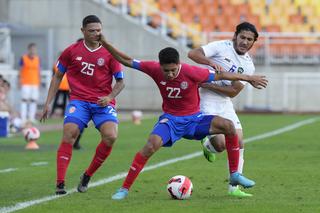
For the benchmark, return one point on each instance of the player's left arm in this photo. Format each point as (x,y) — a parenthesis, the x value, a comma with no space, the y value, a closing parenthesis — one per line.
(117,88)
(231,91)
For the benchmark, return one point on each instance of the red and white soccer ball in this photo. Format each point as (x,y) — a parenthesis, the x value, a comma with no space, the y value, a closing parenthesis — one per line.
(31,134)
(180,187)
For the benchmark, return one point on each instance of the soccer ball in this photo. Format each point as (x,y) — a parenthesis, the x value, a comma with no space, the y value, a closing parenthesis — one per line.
(31,134)
(180,187)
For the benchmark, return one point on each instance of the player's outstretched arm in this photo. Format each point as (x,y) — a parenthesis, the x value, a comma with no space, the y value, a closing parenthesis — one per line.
(198,56)
(54,85)
(119,56)
(257,81)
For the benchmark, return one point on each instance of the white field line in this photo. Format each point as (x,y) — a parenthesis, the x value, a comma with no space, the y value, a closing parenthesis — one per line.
(42,163)
(8,170)
(26,204)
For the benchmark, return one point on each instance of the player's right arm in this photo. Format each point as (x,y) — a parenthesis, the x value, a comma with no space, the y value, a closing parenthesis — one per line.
(54,86)
(198,56)
(119,56)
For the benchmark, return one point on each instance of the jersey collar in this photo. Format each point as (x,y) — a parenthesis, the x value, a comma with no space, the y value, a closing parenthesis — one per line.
(90,50)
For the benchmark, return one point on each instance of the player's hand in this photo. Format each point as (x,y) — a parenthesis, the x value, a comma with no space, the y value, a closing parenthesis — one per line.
(216,67)
(44,115)
(104,101)
(102,39)
(258,81)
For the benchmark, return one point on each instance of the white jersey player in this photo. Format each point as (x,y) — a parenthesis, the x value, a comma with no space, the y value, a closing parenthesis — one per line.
(231,56)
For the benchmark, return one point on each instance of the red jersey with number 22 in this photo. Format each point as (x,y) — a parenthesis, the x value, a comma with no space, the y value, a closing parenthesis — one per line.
(180,96)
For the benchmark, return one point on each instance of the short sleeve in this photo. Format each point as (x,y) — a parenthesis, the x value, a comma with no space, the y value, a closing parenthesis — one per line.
(200,75)
(115,66)
(211,49)
(149,67)
(64,60)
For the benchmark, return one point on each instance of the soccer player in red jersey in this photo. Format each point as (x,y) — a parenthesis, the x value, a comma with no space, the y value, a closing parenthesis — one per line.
(178,84)
(90,69)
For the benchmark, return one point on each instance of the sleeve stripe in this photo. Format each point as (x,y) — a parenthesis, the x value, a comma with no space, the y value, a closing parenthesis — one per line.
(119,75)
(60,67)
(136,64)
(211,77)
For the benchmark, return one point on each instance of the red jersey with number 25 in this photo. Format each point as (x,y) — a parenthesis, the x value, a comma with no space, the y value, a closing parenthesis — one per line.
(180,96)
(89,72)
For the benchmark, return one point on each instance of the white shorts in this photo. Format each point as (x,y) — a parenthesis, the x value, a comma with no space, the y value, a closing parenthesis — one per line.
(221,108)
(30,92)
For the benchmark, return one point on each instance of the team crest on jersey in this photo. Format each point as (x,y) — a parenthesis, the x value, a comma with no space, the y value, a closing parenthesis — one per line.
(100,61)
(79,58)
(240,70)
(184,85)
(72,109)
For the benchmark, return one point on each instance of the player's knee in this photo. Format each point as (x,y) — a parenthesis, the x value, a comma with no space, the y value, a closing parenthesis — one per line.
(228,127)
(110,138)
(152,146)
(69,137)
(218,145)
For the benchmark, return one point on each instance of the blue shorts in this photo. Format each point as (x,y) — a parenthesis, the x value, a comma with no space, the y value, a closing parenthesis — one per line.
(172,128)
(81,112)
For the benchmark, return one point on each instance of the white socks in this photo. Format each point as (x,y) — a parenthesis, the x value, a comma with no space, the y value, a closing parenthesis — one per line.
(32,111)
(23,111)
(209,146)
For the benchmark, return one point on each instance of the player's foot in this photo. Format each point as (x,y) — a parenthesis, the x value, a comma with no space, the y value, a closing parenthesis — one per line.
(83,185)
(238,179)
(238,193)
(76,146)
(60,189)
(120,194)
(207,154)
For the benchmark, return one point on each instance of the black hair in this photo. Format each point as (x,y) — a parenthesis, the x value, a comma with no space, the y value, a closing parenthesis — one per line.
(247,26)
(6,82)
(90,19)
(169,55)
(31,45)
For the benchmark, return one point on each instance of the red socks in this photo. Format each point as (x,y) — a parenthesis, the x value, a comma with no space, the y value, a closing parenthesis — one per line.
(232,146)
(102,152)
(64,154)
(137,165)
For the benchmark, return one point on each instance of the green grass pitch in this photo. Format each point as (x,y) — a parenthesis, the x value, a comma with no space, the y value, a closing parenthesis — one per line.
(285,168)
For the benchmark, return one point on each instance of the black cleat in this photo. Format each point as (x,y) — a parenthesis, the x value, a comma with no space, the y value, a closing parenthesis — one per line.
(76,146)
(60,189)
(83,185)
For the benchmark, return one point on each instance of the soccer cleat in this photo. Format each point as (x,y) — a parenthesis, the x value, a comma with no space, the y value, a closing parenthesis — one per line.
(120,194)
(207,154)
(238,179)
(238,193)
(76,146)
(83,185)
(60,189)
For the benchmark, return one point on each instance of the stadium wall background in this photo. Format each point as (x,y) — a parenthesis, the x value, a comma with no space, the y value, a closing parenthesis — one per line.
(54,24)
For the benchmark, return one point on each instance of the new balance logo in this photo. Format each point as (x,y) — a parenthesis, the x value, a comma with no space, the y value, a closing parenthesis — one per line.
(64,157)
(163,83)
(133,168)
(79,58)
